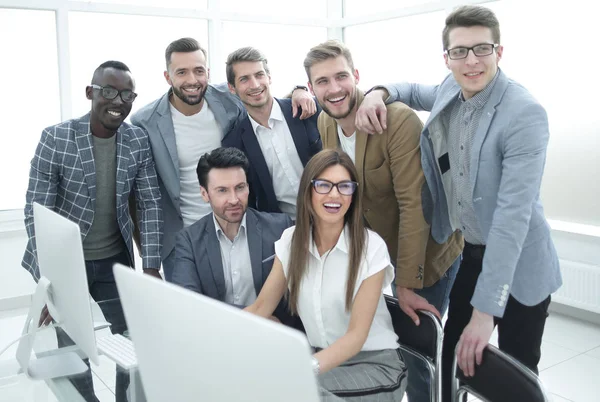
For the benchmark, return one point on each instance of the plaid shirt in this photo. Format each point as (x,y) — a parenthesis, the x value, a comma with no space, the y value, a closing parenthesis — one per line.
(63,178)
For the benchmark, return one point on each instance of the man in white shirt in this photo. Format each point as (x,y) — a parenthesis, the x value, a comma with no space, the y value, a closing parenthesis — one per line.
(227,255)
(277,144)
(181,129)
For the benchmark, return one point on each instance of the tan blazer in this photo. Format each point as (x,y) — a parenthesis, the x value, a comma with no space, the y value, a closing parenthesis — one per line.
(391,181)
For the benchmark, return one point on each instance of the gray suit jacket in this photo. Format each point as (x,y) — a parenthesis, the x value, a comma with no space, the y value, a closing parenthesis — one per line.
(156,119)
(63,178)
(198,263)
(507,162)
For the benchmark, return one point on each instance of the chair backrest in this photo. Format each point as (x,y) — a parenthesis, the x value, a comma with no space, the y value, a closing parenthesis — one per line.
(501,378)
(423,338)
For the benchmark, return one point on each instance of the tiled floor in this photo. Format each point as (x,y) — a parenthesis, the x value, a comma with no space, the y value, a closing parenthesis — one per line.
(570,365)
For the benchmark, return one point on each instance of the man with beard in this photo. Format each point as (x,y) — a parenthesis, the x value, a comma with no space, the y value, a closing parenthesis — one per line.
(227,255)
(395,194)
(277,144)
(181,129)
(84,169)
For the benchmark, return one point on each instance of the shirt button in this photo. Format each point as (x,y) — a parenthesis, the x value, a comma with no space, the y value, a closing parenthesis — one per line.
(501,303)
(461,173)
(503,298)
(505,287)
(504,292)
(462,147)
(459,203)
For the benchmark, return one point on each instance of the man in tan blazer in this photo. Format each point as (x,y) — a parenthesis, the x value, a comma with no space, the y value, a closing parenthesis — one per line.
(396,199)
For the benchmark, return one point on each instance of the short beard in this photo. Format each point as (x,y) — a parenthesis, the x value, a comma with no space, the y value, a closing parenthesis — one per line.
(181,95)
(342,116)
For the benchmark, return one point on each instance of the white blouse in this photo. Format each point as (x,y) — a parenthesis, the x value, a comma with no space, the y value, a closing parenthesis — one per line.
(322,295)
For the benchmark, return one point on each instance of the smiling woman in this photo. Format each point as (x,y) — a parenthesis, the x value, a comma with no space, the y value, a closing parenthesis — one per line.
(349,326)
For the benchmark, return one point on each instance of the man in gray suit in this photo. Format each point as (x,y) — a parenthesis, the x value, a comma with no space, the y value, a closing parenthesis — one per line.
(181,130)
(483,153)
(227,255)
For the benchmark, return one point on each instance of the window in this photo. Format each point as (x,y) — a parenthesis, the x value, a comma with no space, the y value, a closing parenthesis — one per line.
(193,4)
(382,53)
(276,8)
(142,49)
(30,100)
(284,47)
(556,63)
(356,8)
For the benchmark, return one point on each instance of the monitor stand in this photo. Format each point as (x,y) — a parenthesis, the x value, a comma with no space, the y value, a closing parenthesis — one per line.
(59,364)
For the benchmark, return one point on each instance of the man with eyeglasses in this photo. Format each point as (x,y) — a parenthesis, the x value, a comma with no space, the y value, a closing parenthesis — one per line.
(392,183)
(84,169)
(484,149)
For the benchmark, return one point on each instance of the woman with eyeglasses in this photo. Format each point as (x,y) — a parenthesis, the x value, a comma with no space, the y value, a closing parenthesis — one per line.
(334,270)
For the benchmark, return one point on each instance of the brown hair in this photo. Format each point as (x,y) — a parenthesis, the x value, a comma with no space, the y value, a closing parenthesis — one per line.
(325,51)
(183,45)
(470,16)
(241,55)
(305,216)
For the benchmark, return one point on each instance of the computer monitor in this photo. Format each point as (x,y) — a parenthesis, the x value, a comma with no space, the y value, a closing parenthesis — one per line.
(193,348)
(63,288)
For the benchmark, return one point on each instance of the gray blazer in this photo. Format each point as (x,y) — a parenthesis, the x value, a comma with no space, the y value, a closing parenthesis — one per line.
(198,263)
(63,178)
(507,162)
(156,119)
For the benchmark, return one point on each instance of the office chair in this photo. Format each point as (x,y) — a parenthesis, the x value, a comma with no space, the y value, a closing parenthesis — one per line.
(423,341)
(499,378)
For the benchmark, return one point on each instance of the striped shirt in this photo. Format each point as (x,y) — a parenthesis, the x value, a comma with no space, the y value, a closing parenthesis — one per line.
(464,119)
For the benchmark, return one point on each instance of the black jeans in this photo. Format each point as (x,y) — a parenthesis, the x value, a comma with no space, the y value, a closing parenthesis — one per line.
(520,330)
(102,286)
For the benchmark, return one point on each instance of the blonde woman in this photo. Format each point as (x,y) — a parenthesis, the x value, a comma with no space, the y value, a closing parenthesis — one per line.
(334,270)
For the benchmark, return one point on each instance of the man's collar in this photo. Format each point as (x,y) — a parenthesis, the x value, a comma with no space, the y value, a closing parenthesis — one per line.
(480,98)
(276,114)
(218,227)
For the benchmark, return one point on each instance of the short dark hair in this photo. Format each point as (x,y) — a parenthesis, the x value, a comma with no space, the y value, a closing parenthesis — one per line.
(241,55)
(183,45)
(220,158)
(471,16)
(117,65)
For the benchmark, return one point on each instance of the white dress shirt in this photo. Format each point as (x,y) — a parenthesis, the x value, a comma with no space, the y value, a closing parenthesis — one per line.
(282,158)
(237,267)
(322,294)
(348,144)
(195,135)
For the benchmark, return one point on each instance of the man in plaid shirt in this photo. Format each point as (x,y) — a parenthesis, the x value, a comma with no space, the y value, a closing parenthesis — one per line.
(85,169)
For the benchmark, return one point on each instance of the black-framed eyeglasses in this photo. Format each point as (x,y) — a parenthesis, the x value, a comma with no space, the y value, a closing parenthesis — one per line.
(346,187)
(480,50)
(110,93)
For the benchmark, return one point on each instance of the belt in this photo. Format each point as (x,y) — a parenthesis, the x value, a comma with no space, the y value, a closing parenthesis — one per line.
(474,250)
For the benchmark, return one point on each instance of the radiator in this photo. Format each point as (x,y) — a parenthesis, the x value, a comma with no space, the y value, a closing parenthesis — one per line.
(581,286)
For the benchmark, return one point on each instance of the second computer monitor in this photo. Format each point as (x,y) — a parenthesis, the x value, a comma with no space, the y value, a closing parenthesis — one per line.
(63,288)
(193,348)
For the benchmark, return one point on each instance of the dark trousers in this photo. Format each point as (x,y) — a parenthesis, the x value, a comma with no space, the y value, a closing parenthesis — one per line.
(520,330)
(102,287)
